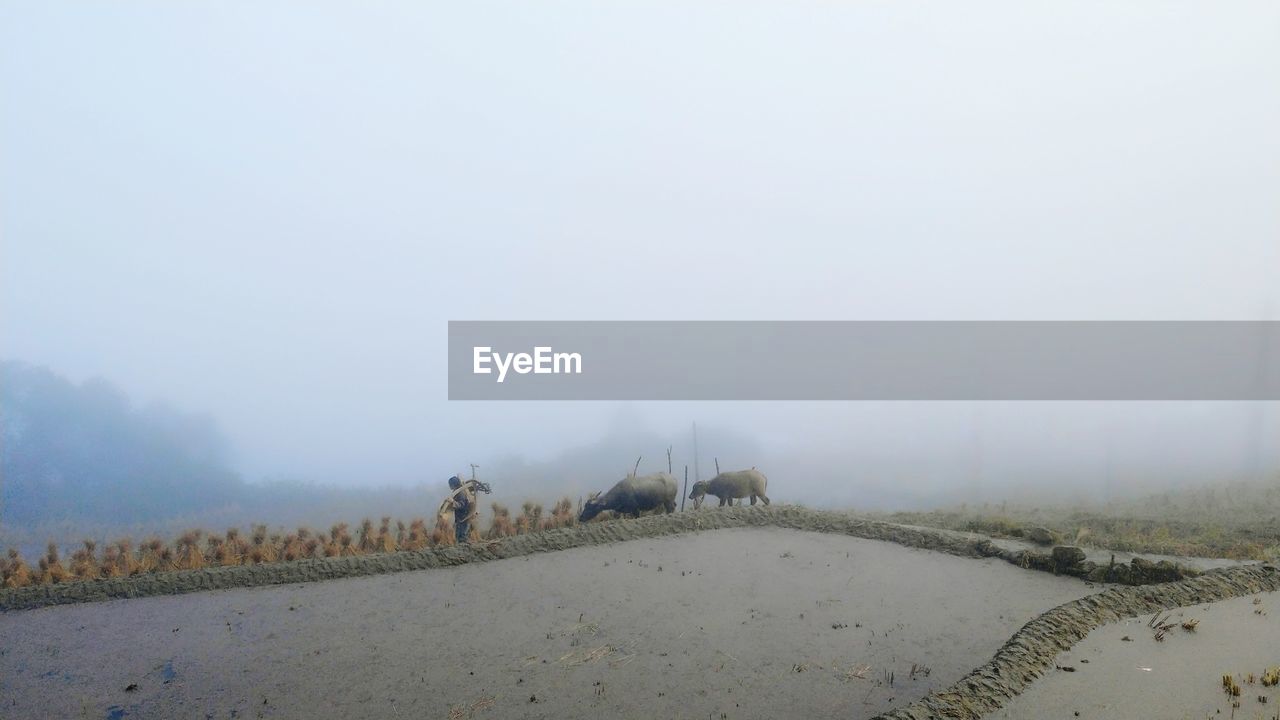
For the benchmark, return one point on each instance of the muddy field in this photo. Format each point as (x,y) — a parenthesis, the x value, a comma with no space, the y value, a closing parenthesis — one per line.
(1121,671)
(736,623)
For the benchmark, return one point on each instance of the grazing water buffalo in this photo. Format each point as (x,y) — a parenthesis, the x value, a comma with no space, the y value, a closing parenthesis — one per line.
(634,495)
(731,485)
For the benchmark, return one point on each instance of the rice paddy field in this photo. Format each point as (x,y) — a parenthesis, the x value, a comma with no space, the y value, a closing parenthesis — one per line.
(1238,521)
(721,613)
(734,623)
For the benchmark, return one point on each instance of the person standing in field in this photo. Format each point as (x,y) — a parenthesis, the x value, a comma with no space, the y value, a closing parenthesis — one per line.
(463,508)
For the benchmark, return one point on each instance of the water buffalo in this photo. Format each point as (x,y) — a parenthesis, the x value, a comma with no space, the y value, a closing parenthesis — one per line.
(634,495)
(731,485)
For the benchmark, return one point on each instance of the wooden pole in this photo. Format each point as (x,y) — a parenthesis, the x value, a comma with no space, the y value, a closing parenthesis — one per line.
(696,475)
(685,494)
(668,459)
(717,466)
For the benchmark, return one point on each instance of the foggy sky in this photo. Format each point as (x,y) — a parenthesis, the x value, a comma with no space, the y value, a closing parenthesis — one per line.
(269,211)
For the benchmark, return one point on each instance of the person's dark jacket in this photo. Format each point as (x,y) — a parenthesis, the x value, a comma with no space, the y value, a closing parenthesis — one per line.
(461,508)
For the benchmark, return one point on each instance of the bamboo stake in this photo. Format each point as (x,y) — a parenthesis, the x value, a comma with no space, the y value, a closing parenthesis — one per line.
(696,474)
(685,494)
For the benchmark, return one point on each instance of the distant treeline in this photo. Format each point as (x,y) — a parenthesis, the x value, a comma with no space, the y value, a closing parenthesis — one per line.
(71,451)
(82,461)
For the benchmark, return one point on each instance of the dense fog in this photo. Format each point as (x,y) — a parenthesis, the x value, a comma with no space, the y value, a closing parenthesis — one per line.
(231,239)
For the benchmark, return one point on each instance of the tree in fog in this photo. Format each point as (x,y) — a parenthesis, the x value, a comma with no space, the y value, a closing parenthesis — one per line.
(84,451)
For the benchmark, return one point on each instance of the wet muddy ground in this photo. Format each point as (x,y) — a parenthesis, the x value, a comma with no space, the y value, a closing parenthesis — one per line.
(1180,676)
(735,623)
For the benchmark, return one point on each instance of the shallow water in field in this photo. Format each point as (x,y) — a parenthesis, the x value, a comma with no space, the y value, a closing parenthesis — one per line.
(1177,677)
(751,622)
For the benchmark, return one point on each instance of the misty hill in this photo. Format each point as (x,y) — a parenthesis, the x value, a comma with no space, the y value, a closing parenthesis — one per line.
(70,452)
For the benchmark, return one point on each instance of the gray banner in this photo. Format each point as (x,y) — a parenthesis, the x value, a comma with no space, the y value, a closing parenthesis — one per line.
(915,360)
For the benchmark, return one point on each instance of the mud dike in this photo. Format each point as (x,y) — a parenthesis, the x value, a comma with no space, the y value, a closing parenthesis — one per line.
(1022,659)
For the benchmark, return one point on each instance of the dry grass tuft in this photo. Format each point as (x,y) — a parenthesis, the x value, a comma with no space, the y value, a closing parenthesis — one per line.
(84,562)
(16,572)
(501,526)
(419,537)
(189,556)
(385,542)
(263,546)
(128,561)
(112,567)
(1230,686)
(292,548)
(367,541)
(51,567)
(443,533)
